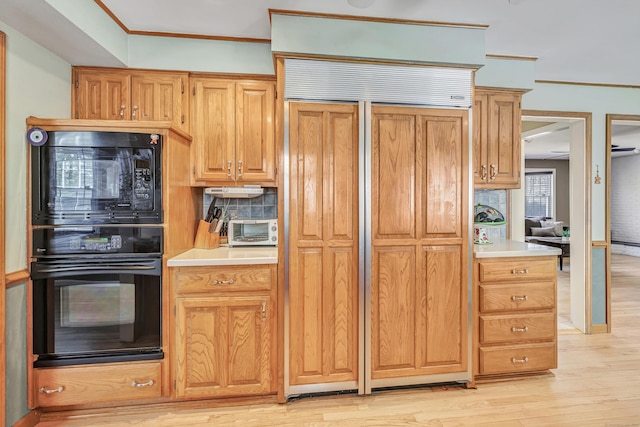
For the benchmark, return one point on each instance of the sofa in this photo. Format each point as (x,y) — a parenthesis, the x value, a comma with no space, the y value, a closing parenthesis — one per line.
(545,231)
(539,226)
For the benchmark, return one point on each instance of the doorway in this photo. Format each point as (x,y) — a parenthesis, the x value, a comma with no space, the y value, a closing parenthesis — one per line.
(565,135)
(622,133)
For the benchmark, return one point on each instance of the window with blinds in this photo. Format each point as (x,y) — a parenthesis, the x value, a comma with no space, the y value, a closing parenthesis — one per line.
(539,190)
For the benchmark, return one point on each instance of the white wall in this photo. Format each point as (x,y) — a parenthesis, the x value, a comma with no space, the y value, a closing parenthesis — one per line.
(625,199)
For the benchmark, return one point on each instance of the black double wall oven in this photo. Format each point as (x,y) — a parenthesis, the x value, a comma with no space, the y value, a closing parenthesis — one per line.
(97,247)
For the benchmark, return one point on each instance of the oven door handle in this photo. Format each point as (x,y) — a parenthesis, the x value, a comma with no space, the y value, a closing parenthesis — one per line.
(100,267)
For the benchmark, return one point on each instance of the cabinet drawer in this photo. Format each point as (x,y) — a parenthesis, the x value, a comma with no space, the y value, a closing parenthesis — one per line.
(517,328)
(520,296)
(518,270)
(225,279)
(80,385)
(518,358)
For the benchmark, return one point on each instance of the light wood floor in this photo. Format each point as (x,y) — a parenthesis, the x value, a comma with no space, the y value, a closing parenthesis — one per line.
(597,384)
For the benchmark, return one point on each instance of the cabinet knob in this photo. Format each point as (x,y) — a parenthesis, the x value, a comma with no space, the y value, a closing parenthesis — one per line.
(133,114)
(122,107)
(44,390)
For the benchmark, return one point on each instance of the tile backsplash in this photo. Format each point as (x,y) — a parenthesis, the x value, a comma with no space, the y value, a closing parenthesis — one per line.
(496,199)
(265,206)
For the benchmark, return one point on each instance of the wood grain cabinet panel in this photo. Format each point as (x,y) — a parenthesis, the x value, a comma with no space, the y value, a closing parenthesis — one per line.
(515,315)
(497,138)
(223,346)
(418,197)
(234,131)
(82,385)
(224,330)
(120,94)
(323,264)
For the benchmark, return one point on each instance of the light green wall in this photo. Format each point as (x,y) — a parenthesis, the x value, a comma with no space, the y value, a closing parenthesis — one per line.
(91,19)
(16,347)
(172,53)
(38,84)
(381,40)
(506,72)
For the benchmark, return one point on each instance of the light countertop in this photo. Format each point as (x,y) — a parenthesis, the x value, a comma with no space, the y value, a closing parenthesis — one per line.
(513,248)
(225,256)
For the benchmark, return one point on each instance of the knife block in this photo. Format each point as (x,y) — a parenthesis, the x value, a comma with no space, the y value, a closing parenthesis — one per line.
(204,239)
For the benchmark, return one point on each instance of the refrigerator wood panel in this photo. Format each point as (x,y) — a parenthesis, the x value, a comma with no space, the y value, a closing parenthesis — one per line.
(323,245)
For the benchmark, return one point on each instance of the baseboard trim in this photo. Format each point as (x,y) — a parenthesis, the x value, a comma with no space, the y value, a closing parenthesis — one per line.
(29,420)
(599,329)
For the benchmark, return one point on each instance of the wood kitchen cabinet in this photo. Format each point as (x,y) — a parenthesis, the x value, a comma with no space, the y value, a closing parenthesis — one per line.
(233,131)
(515,315)
(95,384)
(118,94)
(224,330)
(497,138)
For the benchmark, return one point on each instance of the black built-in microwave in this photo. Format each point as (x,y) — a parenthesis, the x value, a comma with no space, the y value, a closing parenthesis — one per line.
(85,177)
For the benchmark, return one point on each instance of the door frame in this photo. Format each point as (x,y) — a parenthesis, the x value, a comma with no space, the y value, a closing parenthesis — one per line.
(3,204)
(580,189)
(610,118)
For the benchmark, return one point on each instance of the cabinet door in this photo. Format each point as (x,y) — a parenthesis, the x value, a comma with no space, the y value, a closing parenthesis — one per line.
(255,139)
(213,130)
(102,95)
(504,140)
(418,283)
(323,255)
(223,346)
(160,96)
(480,156)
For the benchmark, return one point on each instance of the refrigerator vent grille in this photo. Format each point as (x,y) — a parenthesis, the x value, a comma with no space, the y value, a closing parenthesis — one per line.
(307,79)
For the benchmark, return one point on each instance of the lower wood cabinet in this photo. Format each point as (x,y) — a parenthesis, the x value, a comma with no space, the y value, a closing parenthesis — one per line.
(515,315)
(224,331)
(95,384)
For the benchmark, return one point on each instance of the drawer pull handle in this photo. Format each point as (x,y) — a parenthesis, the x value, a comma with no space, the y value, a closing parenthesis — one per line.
(264,311)
(229,168)
(519,298)
(515,329)
(45,390)
(521,271)
(223,282)
(514,360)
(483,173)
(147,384)
(494,172)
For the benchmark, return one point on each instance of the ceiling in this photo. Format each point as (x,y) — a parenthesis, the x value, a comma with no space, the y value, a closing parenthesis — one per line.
(548,139)
(583,41)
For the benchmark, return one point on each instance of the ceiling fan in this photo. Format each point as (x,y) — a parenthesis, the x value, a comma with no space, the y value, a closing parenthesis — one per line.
(617,149)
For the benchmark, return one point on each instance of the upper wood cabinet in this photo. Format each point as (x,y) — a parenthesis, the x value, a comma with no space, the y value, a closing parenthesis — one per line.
(496,138)
(233,131)
(117,94)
